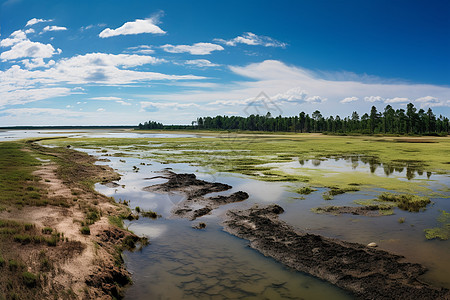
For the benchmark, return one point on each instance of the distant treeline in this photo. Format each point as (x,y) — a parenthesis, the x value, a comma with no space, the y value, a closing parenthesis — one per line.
(156,125)
(389,121)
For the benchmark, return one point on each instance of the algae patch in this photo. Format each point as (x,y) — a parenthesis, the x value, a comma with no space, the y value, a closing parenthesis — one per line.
(443,232)
(409,202)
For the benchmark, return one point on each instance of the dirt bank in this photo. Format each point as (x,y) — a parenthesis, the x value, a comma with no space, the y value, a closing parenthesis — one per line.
(369,210)
(195,204)
(72,247)
(365,272)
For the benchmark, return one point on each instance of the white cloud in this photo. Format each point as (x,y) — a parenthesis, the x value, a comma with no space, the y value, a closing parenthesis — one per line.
(430,101)
(274,77)
(396,100)
(54,28)
(201,63)
(315,99)
(101,109)
(29,30)
(19,86)
(142,49)
(292,95)
(27,48)
(135,27)
(249,38)
(23,96)
(373,99)
(35,21)
(123,102)
(195,49)
(37,63)
(15,37)
(106,98)
(349,99)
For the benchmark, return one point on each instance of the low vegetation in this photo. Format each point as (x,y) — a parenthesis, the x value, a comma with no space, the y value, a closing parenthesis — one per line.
(443,231)
(413,203)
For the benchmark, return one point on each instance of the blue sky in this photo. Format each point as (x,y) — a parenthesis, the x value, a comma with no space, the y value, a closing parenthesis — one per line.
(124,62)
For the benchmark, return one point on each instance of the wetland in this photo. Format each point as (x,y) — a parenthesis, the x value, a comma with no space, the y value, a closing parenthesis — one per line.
(359,190)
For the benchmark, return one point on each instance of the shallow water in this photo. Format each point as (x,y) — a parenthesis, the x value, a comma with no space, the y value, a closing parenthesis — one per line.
(10,135)
(186,263)
(174,243)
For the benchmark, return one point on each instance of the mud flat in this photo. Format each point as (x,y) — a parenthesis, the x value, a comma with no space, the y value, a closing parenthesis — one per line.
(365,272)
(196,204)
(369,210)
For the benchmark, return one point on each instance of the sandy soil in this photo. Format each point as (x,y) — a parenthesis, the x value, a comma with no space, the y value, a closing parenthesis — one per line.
(86,264)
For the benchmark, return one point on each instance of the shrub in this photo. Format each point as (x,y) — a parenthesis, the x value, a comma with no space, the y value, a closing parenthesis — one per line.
(85,230)
(29,279)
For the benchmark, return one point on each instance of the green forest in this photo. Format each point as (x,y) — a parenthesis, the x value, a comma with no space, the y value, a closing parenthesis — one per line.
(388,121)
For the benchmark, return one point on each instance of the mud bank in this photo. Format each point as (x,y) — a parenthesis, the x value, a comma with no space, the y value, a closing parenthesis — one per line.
(196,204)
(369,210)
(365,272)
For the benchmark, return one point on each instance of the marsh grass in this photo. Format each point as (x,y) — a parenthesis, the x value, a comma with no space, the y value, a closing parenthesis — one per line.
(408,202)
(247,154)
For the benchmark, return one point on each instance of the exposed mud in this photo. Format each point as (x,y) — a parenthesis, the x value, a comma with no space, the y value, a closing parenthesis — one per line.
(195,205)
(365,272)
(369,210)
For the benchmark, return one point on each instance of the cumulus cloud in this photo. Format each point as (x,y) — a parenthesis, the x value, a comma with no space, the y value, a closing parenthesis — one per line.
(136,27)
(274,77)
(430,101)
(292,95)
(396,100)
(201,63)
(35,21)
(249,38)
(54,28)
(15,37)
(195,49)
(19,86)
(349,99)
(37,63)
(27,48)
(373,99)
(101,109)
(315,99)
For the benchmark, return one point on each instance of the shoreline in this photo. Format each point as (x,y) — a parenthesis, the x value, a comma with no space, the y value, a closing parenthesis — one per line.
(86,262)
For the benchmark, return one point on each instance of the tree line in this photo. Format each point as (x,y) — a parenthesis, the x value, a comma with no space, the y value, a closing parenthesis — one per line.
(388,121)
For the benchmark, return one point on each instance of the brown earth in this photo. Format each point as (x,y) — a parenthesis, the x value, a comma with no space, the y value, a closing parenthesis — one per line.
(365,272)
(369,210)
(82,266)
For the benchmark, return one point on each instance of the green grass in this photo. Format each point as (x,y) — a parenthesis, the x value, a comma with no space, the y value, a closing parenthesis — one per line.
(17,184)
(116,221)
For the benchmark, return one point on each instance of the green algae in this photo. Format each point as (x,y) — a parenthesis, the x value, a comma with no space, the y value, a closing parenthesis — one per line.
(249,154)
(442,232)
